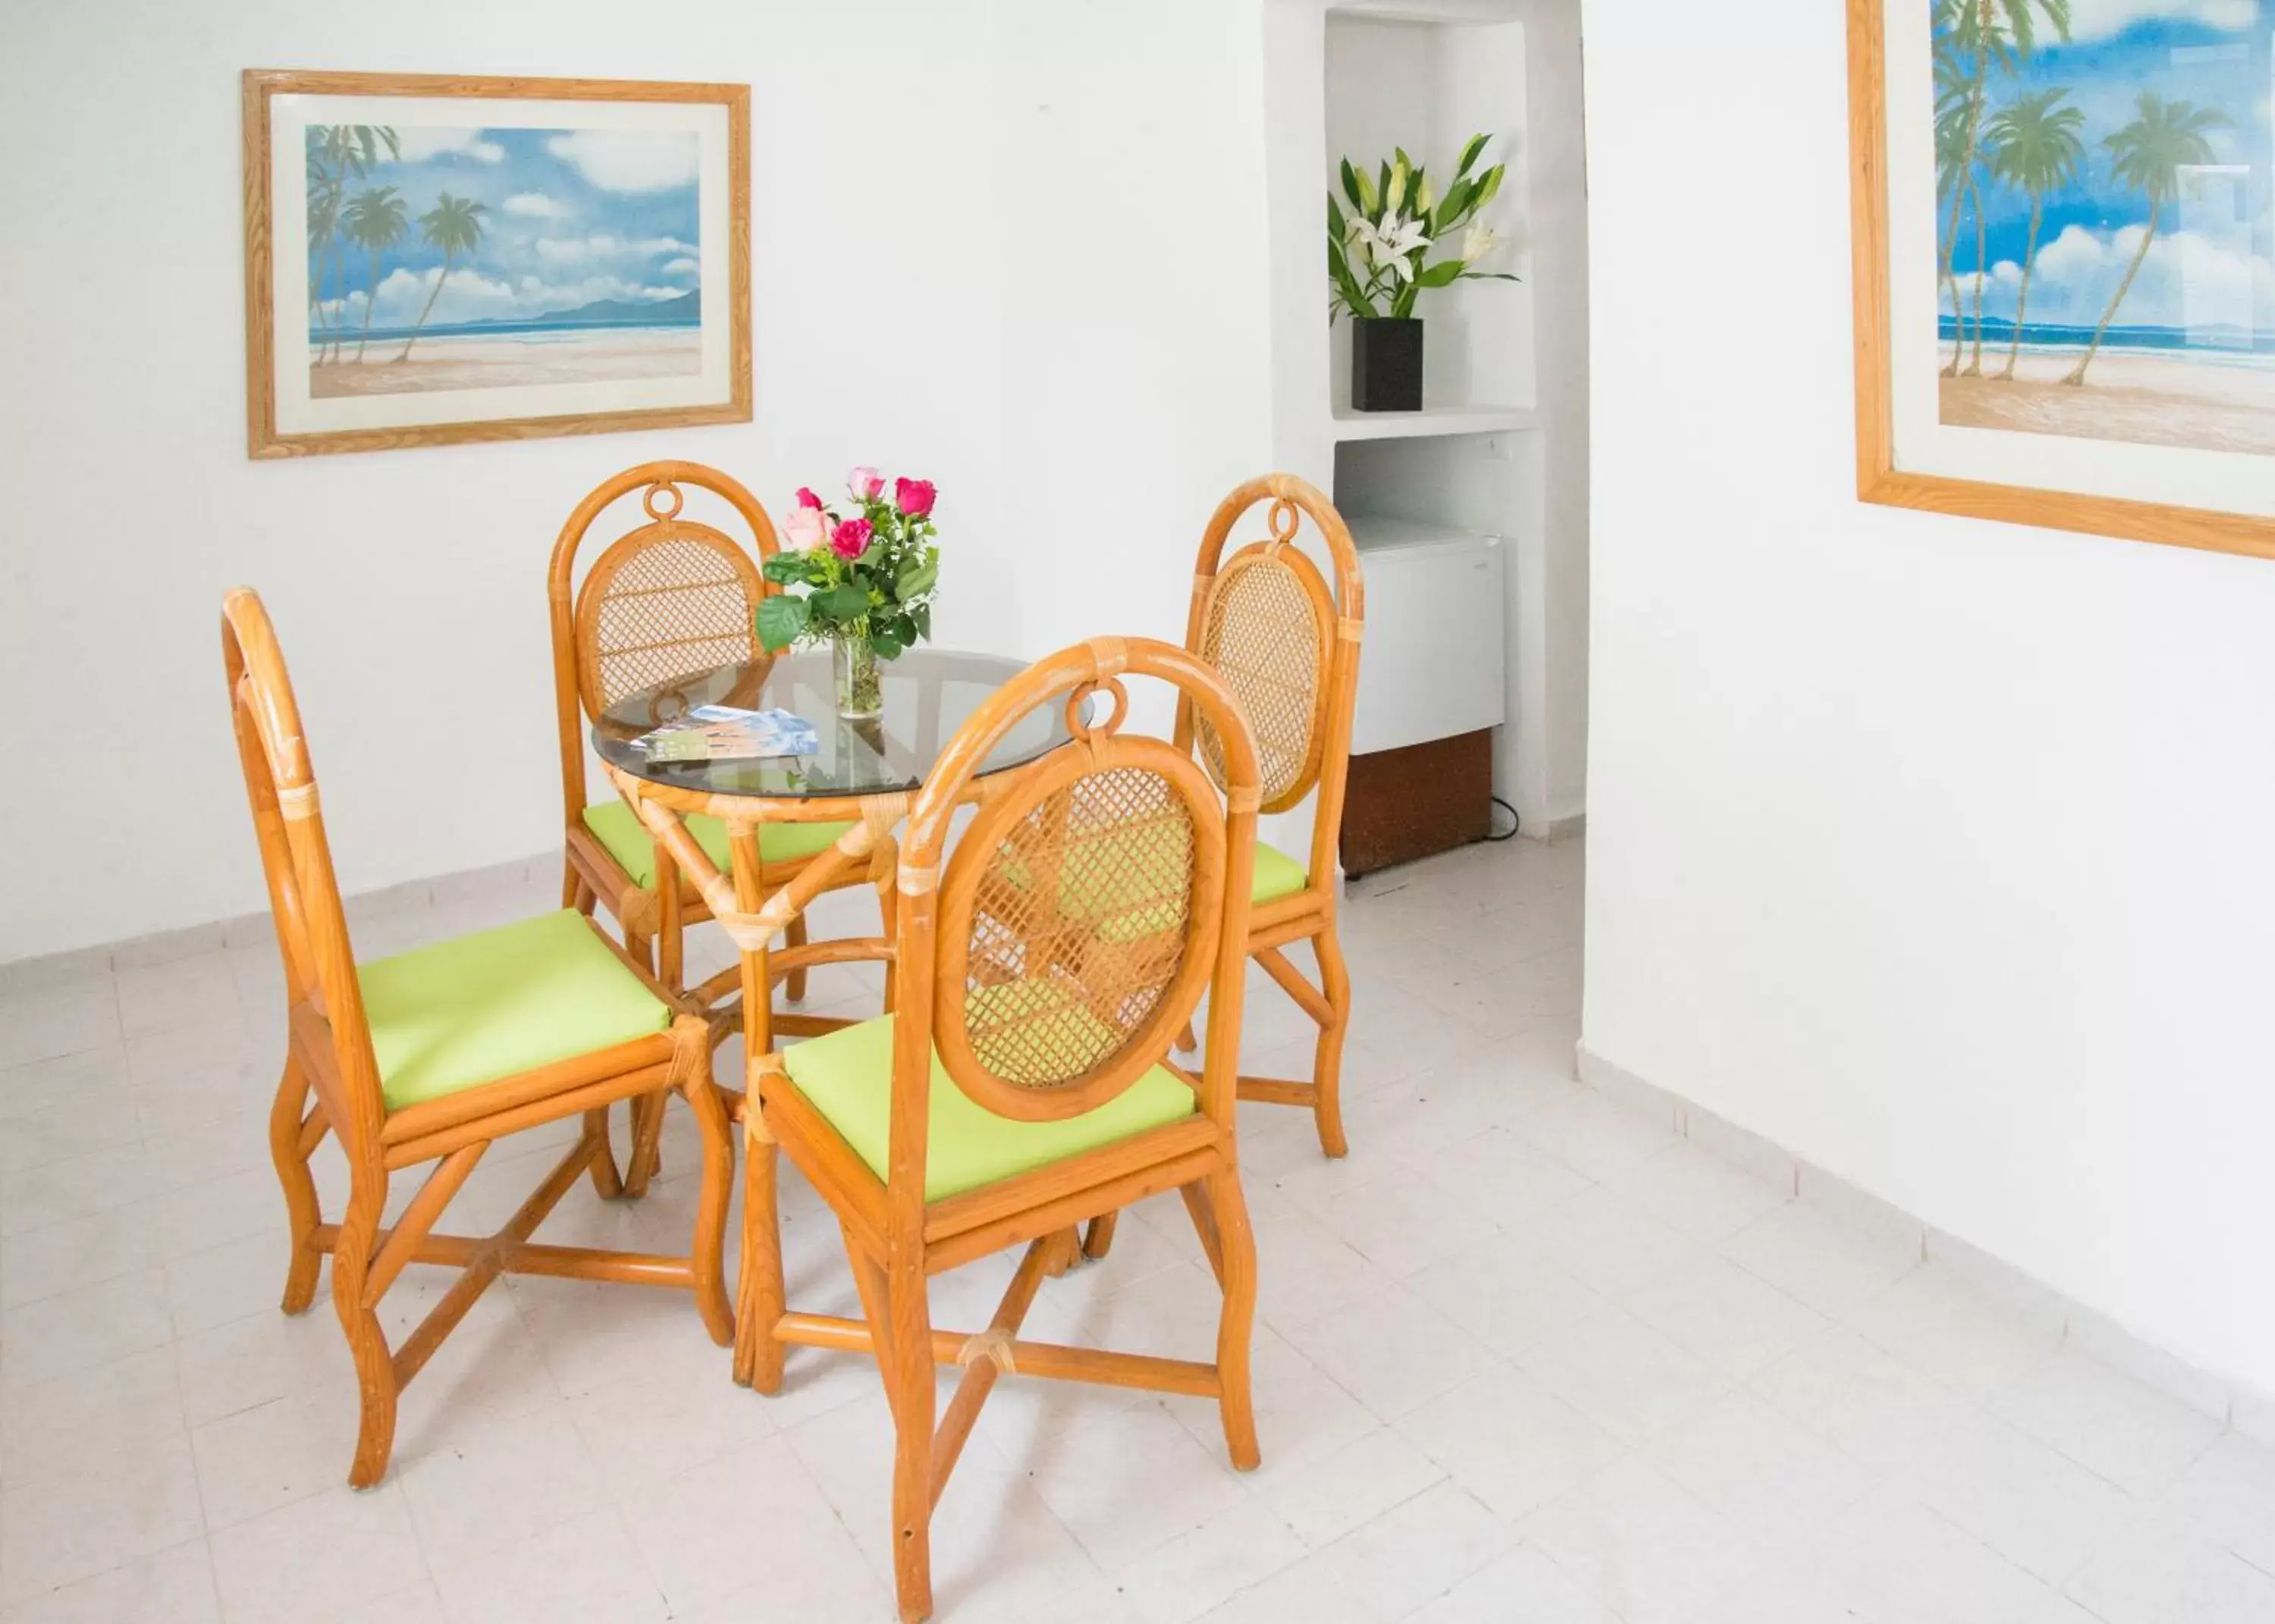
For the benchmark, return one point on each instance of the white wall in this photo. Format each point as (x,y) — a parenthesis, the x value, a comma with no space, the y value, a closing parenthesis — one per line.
(1937,851)
(974,224)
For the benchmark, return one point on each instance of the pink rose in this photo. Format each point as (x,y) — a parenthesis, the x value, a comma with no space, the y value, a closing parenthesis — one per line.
(807,499)
(803,529)
(865,483)
(913,497)
(851,540)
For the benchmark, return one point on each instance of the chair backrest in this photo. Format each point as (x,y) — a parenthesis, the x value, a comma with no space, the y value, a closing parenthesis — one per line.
(667,598)
(1092,901)
(1287,644)
(304,893)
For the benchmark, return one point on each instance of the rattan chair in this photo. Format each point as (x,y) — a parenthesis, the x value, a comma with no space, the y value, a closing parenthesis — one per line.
(435,1054)
(668,598)
(1024,1086)
(1287,647)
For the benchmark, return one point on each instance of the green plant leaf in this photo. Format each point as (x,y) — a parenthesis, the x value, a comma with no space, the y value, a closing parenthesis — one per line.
(903,628)
(1490,185)
(1452,207)
(1469,153)
(917,578)
(920,617)
(1443,274)
(1335,226)
(782,620)
(887,647)
(786,568)
(847,600)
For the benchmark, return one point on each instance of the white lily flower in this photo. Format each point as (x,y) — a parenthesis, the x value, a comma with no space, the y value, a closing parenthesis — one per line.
(1478,241)
(1389,244)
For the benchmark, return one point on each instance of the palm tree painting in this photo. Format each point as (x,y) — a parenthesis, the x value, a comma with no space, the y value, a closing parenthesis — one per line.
(455,226)
(374,222)
(2104,218)
(2035,148)
(2147,156)
(499,257)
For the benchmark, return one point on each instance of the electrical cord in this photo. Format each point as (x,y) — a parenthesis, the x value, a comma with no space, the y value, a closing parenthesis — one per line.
(1509,833)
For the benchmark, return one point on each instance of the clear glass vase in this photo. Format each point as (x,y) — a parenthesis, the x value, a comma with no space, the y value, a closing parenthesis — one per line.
(860,685)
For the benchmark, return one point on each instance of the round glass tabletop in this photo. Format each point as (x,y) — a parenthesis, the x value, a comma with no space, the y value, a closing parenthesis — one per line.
(929,693)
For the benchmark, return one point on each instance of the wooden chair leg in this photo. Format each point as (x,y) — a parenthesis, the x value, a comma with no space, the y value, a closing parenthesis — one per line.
(1099,1239)
(758,1351)
(794,984)
(607,1181)
(1188,1039)
(1236,1251)
(914,1406)
(374,1361)
(289,1147)
(574,892)
(707,1258)
(644,1160)
(1328,1062)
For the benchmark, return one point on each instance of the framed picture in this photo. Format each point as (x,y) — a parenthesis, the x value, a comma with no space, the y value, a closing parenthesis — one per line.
(2064,231)
(430,260)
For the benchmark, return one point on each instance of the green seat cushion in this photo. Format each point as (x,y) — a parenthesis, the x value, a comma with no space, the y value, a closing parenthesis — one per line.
(848,1076)
(1277,875)
(471,1011)
(617,826)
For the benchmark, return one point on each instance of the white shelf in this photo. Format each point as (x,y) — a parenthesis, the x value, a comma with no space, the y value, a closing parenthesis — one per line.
(1434,421)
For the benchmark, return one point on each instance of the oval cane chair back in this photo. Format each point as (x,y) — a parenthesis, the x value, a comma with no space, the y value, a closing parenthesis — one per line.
(295,859)
(668,598)
(1085,911)
(1285,643)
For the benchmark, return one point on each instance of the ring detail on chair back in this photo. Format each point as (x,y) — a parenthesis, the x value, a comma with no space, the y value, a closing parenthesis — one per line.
(1077,924)
(666,598)
(1269,630)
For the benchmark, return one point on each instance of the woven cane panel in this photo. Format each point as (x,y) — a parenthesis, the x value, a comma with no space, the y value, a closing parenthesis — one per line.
(1081,922)
(673,607)
(1263,636)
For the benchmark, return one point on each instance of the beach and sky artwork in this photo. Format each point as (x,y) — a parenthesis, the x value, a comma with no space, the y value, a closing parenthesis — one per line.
(469,257)
(2105,219)
(431,260)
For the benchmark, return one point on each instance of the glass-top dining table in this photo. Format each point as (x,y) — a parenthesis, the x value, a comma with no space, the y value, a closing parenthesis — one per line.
(864,773)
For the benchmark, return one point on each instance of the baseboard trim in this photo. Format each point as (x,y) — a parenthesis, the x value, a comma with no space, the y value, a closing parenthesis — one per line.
(2234,1403)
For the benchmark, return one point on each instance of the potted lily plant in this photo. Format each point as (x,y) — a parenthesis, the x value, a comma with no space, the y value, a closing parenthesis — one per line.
(1381,233)
(862,580)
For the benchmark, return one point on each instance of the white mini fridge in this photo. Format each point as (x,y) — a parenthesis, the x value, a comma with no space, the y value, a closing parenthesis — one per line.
(1430,691)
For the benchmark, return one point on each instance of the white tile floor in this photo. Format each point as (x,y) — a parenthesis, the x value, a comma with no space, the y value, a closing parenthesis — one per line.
(1523,1356)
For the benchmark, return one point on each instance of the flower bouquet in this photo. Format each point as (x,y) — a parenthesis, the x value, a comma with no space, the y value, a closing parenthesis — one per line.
(868,577)
(1378,263)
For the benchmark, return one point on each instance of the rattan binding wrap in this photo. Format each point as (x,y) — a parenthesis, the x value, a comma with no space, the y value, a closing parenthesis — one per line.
(1081,924)
(1269,624)
(667,599)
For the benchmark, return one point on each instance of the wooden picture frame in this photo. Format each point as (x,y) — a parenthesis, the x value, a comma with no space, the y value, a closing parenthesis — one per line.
(1879,477)
(593,221)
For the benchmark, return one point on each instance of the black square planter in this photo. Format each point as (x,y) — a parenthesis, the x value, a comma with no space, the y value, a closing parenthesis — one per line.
(1386,364)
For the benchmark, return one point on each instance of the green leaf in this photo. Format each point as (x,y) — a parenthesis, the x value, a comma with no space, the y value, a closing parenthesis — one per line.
(1469,153)
(782,620)
(1490,185)
(786,568)
(1335,226)
(847,600)
(919,577)
(920,617)
(1452,205)
(887,647)
(1443,274)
